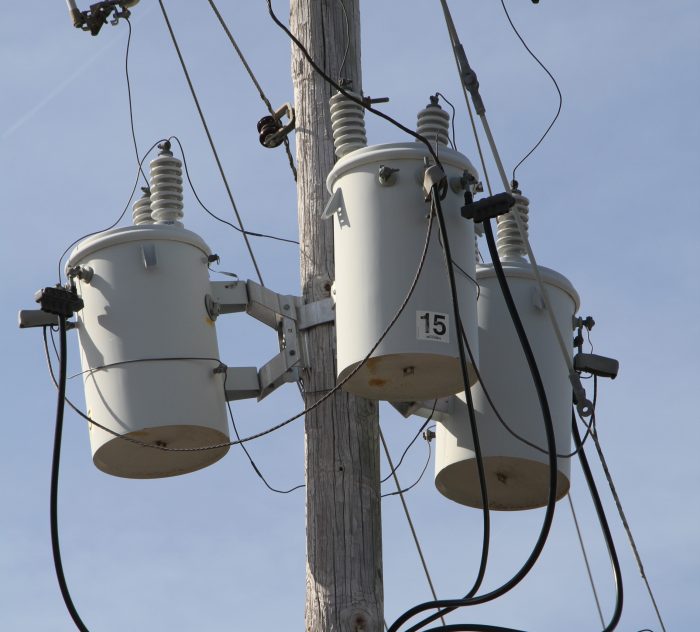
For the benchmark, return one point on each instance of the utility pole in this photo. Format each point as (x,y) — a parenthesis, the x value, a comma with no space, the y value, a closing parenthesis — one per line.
(344,587)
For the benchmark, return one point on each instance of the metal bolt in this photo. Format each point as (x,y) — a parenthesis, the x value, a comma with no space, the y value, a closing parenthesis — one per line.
(387,175)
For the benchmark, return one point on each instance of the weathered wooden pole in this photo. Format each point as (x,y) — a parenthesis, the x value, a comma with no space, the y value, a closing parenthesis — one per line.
(344,590)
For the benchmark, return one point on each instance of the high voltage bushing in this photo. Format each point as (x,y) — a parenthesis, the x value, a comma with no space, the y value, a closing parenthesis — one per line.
(380,225)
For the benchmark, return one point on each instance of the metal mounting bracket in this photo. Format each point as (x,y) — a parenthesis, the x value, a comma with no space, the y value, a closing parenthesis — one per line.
(443,408)
(288,315)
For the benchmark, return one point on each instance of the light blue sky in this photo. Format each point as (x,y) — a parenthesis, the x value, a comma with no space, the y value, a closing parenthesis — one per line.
(613,206)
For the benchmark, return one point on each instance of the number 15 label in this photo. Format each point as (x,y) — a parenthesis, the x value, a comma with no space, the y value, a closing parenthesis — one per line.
(432,326)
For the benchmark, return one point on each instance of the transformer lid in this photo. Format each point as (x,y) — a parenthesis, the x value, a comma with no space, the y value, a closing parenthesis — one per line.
(523,270)
(128,234)
(376,154)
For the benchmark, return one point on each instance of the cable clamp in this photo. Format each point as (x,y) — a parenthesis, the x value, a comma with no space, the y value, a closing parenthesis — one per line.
(434,178)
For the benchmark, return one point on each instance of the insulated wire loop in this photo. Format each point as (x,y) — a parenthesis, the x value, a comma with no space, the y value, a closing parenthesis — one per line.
(452,604)
(503,422)
(215,153)
(252,463)
(287,421)
(253,78)
(131,105)
(418,480)
(216,217)
(408,447)
(609,543)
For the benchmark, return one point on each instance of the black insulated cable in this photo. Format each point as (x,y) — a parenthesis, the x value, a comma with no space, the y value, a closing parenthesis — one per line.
(552,462)
(609,542)
(55,467)
(467,391)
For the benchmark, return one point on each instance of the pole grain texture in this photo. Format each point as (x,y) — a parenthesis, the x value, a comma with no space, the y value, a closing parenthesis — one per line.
(344,586)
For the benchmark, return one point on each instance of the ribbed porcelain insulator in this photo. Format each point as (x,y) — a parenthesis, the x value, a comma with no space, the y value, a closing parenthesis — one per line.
(434,124)
(348,123)
(166,189)
(509,243)
(141,213)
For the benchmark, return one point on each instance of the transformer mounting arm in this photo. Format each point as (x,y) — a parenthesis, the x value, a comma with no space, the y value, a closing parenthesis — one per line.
(286,314)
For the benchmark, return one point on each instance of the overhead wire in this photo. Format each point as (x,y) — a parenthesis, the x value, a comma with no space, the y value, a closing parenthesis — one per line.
(256,469)
(582,402)
(605,528)
(452,119)
(346,93)
(250,233)
(623,518)
(408,447)
(131,105)
(502,421)
(585,557)
(215,153)
(416,541)
(255,81)
(418,480)
(554,81)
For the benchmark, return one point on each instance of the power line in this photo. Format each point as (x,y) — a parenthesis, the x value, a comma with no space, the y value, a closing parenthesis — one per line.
(253,78)
(418,480)
(623,517)
(585,558)
(211,142)
(554,81)
(408,447)
(408,518)
(252,463)
(131,105)
(216,217)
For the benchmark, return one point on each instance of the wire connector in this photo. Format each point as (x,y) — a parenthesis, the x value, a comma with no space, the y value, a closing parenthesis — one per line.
(59,301)
(489,207)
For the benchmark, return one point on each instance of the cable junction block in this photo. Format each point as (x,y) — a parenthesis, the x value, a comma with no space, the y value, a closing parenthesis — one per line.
(59,301)
(488,207)
(288,315)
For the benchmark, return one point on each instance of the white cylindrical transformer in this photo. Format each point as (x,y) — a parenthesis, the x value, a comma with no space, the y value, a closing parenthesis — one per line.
(516,474)
(149,350)
(380,227)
